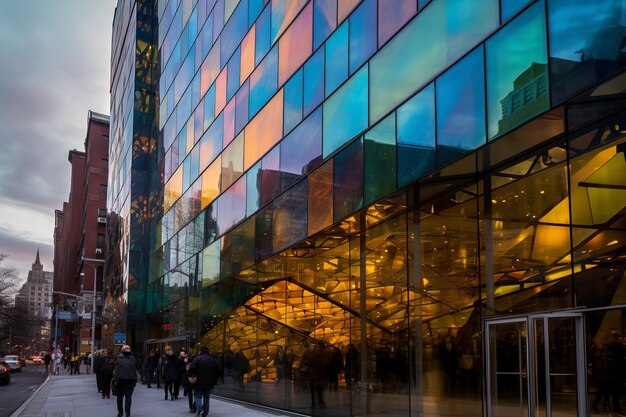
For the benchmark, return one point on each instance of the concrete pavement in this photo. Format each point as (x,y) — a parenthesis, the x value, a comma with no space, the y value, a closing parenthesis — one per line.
(76,396)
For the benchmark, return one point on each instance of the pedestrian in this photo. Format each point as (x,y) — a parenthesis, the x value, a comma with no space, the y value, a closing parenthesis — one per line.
(151,365)
(74,364)
(205,369)
(58,359)
(46,360)
(97,367)
(87,362)
(126,369)
(186,384)
(106,368)
(170,374)
(182,374)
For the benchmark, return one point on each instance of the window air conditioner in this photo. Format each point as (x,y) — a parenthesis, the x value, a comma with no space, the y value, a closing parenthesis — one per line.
(102,220)
(98,251)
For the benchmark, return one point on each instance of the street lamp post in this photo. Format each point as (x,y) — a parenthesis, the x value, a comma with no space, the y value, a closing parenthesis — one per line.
(94,309)
(77,307)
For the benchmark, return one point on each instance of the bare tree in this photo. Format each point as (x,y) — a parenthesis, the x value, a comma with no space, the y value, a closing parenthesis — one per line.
(8,283)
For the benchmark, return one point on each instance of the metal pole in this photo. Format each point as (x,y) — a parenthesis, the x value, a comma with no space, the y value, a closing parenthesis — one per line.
(94,308)
(56,327)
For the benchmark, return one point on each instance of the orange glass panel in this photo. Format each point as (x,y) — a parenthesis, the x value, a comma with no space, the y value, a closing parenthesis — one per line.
(247,55)
(211,182)
(220,90)
(265,130)
(296,45)
(210,68)
(344,7)
(173,188)
(320,198)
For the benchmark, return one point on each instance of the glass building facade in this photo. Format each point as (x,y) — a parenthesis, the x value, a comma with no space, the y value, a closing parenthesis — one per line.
(375,207)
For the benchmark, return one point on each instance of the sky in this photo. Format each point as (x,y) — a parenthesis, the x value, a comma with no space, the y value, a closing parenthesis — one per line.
(54,68)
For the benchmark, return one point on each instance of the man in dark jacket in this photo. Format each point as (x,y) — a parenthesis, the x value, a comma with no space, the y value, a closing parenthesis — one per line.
(206,369)
(126,369)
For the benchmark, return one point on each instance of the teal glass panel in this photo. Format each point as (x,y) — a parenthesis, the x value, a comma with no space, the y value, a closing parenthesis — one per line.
(509,7)
(262,36)
(241,107)
(436,38)
(380,160)
(232,77)
(254,10)
(231,206)
(289,217)
(301,150)
(211,264)
(324,20)
(313,93)
(461,108)
(587,44)
(293,102)
(209,107)
(345,112)
(263,82)
(336,58)
(517,72)
(362,35)
(348,180)
(252,189)
(416,136)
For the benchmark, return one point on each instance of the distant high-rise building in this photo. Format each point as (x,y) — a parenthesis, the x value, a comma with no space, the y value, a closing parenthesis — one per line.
(36,292)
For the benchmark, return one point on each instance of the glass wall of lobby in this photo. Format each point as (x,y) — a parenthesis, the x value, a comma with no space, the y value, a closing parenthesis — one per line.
(362,318)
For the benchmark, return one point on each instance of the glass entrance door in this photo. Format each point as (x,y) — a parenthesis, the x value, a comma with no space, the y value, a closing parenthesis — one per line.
(536,366)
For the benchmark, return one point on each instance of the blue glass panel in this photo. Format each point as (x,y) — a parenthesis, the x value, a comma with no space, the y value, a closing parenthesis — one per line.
(262,36)
(207,36)
(232,78)
(254,10)
(336,58)
(416,136)
(218,19)
(213,137)
(253,192)
(461,108)
(437,37)
(380,160)
(194,163)
(509,7)
(241,107)
(324,20)
(209,107)
(186,173)
(264,82)
(348,180)
(182,145)
(301,150)
(345,112)
(293,102)
(362,34)
(192,27)
(313,81)
(195,89)
(587,44)
(234,31)
(517,73)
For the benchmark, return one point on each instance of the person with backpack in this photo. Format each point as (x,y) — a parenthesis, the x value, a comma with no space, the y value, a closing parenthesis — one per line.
(106,368)
(126,370)
(203,373)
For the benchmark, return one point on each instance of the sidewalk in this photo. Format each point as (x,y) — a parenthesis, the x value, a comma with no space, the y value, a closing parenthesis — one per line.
(77,396)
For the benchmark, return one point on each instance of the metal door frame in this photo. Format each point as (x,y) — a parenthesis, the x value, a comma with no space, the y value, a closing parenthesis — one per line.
(531,356)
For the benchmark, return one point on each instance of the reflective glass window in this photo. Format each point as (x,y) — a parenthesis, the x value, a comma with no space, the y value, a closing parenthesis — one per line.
(283,12)
(254,10)
(345,112)
(209,107)
(270,176)
(362,37)
(210,68)
(241,107)
(433,40)
(348,180)
(264,130)
(391,15)
(220,90)
(262,37)
(313,93)
(416,136)
(336,59)
(509,7)
(461,107)
(232,162)
(301,150)
(295,46)
(218,18)
(247,55)
(293,102)
(233,75)
(211,143)
(320,199)
(344,7)
(586,44)
(253,191)
(234,31)
(229,123)
(263,81)
(324,20)
(211,264)
(231,206)
(289,221)
(517,73)
(380,160)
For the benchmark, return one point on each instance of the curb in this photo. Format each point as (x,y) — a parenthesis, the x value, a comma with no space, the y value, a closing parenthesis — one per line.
(17,412)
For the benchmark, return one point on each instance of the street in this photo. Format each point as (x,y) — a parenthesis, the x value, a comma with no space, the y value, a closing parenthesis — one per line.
(22,385)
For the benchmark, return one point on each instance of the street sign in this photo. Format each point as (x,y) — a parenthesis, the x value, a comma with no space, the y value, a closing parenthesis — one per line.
(120,338)
(64,315)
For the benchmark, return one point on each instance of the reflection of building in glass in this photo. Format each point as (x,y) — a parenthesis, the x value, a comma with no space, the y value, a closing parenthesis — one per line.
(335,212)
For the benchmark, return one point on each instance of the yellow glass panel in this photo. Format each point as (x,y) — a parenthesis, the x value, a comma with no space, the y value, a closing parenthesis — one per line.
(296,45)
(211,182)
(264,131)
(247,55)
(173,188)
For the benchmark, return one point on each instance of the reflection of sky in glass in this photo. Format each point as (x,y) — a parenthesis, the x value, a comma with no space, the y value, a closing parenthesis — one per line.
(262,40)
(362,35)
(254,10)
(231,205)
(283,12)
(345,112)
(210,68)
(211,263)
(461,104)
(391,15)
(220,90)
(263,81)
(324,19)
(229,123)
(293,102)
(252,193)
(510,7)
(247,55)
(209,107)
(233,75)
(234,31)
(313,93)
(416,119)
(510,52)
(302,146)
(264,130)
(241,107)
(211,142)
(344,7)
(295,45)
(336,58)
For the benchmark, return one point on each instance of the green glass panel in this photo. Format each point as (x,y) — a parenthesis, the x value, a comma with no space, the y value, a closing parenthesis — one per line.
(380,160)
